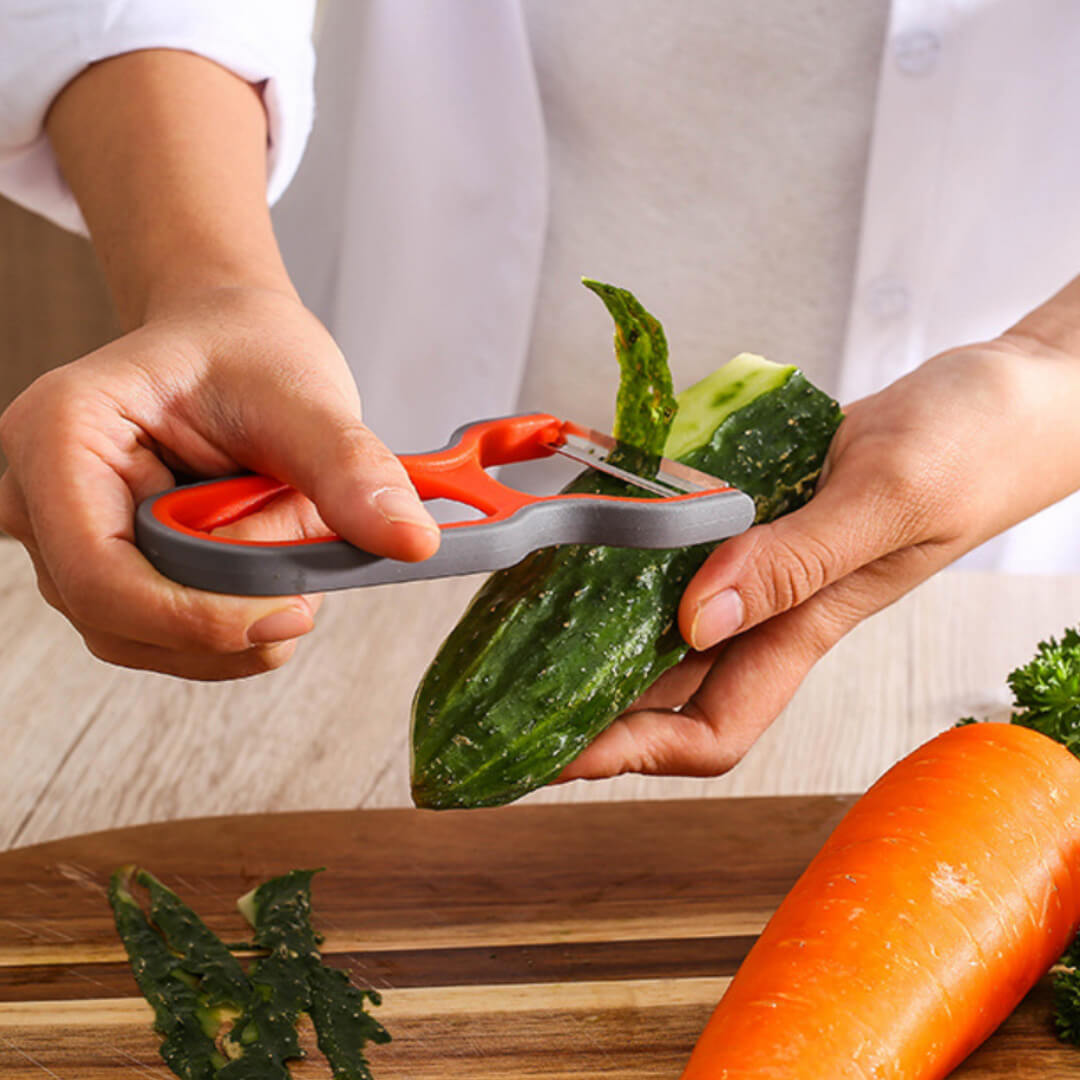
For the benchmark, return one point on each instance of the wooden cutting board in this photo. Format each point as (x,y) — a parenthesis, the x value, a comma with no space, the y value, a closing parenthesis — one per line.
(564,941)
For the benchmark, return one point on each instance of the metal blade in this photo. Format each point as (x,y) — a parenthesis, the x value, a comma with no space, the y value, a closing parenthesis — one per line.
(594,448)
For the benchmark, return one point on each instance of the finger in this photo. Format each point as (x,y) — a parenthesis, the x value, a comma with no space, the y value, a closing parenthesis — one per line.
(852,521)
(204,667)
(46,587)
(289,516)
(678,683)
(13,516)
(15,521)
(319,445)
(81,513)
(753,679)
(751,682)
(132,654)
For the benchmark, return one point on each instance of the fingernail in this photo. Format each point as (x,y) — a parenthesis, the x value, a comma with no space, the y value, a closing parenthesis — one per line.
(401,507)
(283,625)
(716,618)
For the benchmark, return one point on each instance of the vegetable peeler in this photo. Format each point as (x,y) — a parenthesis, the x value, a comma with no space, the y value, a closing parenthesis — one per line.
(174,529)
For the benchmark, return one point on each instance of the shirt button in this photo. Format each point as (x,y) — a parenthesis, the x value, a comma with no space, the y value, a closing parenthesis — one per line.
(887,298)
(917,52)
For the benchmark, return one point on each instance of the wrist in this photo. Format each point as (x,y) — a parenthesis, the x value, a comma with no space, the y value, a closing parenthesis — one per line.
(1052,329)
(200,282)
(215,313)
(165,152)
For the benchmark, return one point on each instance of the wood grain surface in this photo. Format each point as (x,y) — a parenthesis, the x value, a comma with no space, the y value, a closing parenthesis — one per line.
(546,941)
(89,746)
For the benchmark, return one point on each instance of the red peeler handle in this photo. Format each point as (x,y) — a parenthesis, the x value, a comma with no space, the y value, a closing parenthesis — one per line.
(455,472)
(174,529)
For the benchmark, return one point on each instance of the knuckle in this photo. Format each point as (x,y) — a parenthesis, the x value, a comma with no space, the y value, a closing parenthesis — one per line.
(822,632)
(363,448)
(898,482)
(648,761)
(271,657)
(713,753)
(53,404)
(12,421)
(7,425)
(361,460)
(104,649)
(917,497)
(12,520)
(208,627)
(800,570)
(50,595)
(80,596)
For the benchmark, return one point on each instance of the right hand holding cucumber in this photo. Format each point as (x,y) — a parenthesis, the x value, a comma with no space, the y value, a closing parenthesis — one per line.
(967,445)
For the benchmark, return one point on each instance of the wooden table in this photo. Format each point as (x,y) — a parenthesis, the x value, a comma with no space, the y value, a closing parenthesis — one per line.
(89,746)
(556,942)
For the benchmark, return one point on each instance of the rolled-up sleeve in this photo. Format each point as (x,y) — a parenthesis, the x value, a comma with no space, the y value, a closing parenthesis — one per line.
(44,44)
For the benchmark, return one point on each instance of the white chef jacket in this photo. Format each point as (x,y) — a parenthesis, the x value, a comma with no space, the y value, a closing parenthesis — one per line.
(428,272)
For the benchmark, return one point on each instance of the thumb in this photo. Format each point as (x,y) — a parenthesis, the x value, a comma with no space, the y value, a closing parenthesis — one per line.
(774,567)
(319,444)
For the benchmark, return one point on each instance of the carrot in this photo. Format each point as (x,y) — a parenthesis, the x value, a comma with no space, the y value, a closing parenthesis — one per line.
(940,899)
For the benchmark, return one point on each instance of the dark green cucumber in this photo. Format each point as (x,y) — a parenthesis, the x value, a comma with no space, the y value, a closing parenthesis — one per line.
(552,650)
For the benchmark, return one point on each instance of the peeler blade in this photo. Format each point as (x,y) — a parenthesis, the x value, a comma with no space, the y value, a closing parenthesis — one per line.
(593,448)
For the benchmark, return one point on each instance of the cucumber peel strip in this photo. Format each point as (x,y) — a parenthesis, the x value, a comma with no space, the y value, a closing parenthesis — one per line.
(195,985)
(293,978)
(180,975)
(645,401)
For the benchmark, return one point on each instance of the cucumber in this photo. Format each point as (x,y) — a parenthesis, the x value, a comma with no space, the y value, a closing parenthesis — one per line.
(551,650)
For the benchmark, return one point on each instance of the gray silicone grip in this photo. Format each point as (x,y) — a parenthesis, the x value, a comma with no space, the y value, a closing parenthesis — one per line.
(287,569)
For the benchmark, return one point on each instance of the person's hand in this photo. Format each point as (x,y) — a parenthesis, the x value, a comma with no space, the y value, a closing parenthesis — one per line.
(970,443)
(165,152)
(231,379)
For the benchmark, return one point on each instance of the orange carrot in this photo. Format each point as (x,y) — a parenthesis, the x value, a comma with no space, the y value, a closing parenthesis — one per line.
(940,899)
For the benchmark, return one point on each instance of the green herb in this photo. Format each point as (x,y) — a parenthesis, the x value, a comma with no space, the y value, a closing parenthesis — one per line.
(1046,691)
(196,986)
(1067,995)
(1046,697)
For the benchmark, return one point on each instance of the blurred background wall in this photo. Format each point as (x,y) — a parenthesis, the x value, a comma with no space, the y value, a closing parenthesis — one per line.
(53,302)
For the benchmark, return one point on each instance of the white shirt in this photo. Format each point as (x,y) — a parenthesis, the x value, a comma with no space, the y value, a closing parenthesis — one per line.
(714,163)
(417,228)
(44,44)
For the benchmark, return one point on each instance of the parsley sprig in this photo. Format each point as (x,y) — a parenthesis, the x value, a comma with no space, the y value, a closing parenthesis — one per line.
(1046,697)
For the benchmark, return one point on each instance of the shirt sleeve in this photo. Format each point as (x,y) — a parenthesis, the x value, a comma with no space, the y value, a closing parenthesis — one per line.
(44,44)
